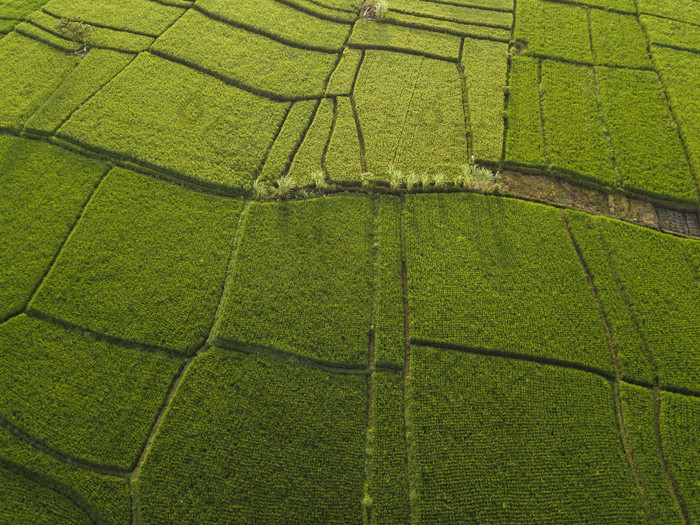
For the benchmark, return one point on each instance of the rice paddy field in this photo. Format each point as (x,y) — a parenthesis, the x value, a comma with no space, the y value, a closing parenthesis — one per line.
(256,265)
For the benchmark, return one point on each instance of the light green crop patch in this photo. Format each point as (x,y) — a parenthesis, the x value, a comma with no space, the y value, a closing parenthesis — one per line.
(485,67)
(344,12)
(387,483)
(501,275)
(678,70)
(574,131)
(343,155)
(42,193)
(98,36)
(671,33)
(657,284)
(139,16)
(505,441)
(28,501)
(372,35)
(93,72)
(105,499)
(638,410)
(30,72)
(553,30)
(262,64)
(164,114)
(624,6)
(281,22)
(86,399)
(146,263)
(309,157)
(18,9)
(288,141)
(278,442)
(645,142)
(682,10)
(411,114)
(618,40)
(340,83)
(452,13)
(524,136)
(449,27)
(680,420)
(303,280)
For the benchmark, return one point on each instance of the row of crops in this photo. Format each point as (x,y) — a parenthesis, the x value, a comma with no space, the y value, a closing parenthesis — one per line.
(185,357)
(600,92)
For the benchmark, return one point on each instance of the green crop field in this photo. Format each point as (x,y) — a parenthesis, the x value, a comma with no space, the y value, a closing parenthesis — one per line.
(353,262)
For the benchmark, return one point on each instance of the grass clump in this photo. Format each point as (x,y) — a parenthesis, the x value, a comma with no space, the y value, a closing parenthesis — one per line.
(373,9)
(285,185)
(480,178)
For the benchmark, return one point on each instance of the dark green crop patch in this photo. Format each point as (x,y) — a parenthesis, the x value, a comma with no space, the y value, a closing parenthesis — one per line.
(146,263)
(680,420)
(503,441)
(87,399)
(104,499)
(276,443)
(302,280)
(42,193)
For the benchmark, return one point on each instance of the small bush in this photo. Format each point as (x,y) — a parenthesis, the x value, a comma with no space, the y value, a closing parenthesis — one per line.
(77,31)
(285,185)
(396,177)
(373,9)
(319,179)
(260,190)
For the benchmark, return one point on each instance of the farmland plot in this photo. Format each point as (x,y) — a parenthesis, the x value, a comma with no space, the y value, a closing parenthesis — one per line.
(411,113)
(277,443)
(302,280)
(649,281)
(503,441)
(42,192)
(215,134)
(87,399)
(499,275)
(103,498)
(146,263)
